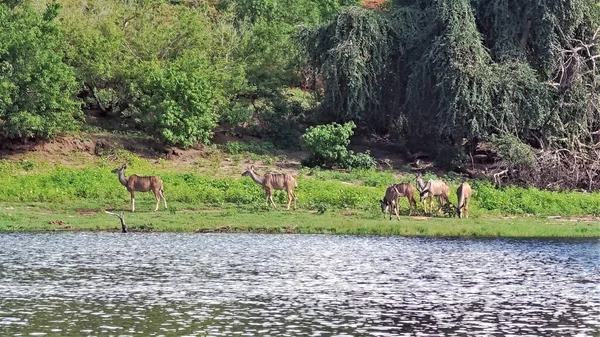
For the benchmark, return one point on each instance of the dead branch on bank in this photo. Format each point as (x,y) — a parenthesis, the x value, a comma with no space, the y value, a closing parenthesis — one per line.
(122,218)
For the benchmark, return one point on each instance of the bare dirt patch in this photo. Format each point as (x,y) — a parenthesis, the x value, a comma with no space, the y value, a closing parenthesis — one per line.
(84,149)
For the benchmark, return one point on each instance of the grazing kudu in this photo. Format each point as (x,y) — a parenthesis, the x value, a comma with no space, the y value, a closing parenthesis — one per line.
(403,190)
(274,181)
(390,201)
(433,188)
(141,184)
(464,193)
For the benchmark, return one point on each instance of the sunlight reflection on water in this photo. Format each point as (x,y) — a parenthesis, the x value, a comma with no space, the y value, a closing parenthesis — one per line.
(163,284)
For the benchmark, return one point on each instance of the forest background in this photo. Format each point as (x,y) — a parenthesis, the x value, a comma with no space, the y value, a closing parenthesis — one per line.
(452,78)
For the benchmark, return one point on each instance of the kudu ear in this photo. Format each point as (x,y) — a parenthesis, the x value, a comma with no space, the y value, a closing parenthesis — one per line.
(251,167)
(124,166)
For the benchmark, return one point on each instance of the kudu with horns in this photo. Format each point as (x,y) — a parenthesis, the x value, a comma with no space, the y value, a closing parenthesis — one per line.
(391,199)
(463,193)
(141,184)
(433,188)
(274,181)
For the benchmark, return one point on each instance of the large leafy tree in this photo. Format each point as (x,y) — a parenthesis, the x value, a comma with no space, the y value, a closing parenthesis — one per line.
(36,86)
(440,71)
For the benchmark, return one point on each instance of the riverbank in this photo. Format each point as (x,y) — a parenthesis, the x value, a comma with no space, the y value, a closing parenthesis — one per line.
(33,217)
(206,193)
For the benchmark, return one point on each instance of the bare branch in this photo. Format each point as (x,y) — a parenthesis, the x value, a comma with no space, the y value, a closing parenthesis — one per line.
(122,218)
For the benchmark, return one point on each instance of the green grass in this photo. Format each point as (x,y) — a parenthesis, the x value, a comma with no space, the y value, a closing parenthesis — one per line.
(38,195)
(90,217)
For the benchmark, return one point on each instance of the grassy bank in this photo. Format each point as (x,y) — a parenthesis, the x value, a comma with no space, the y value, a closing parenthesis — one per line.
(38,195)
(83,216)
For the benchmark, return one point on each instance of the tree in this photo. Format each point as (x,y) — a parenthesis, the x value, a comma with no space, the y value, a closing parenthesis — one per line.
(37,87)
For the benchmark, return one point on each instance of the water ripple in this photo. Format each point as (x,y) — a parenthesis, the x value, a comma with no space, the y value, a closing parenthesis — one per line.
(161,284)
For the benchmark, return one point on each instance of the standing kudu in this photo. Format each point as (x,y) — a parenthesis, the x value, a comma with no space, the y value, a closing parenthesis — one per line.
(274,181)
(141,184)
(464,193)
(433,188)
(401,190)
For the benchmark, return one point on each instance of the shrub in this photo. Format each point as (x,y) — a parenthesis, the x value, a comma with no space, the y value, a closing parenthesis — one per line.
(327,147)
(450,157)
(513,152)
(359,160)
(179,102)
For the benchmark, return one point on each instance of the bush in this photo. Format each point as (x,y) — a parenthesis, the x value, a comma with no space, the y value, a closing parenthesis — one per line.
(327,147)
(513,152)
(359,160)
(450,157)
(179,102)
(36,86)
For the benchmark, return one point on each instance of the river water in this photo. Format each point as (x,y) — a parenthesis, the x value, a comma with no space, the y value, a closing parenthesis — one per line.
(163,284)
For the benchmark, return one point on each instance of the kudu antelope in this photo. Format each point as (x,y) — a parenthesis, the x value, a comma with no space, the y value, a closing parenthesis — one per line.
(141,184)
(433,188)
(464,193)
(274,181)
(392,195)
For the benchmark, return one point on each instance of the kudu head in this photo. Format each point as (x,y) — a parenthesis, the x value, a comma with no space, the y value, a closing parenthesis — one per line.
(459,211)
(419,180)
(248,172)
(384,205)
(119,170)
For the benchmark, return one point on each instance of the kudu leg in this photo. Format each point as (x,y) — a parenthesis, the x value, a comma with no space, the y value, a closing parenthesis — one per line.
(412,204)
(157,197)
(289,203)
(270,198)
(162,195)
(294,195)
(132,203)
(430,205)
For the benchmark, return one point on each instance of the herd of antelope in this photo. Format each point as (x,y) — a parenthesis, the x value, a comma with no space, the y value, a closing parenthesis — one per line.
(284,181)
(433,188)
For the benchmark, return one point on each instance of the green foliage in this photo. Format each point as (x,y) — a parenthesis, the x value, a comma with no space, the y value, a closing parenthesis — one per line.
(176,69)
(168,70)
(280,122)
(254,147)
(450,157)
(353,52)
(36,86)
(327,144)
(31,181)
(327,147)
(180,102)
(513,152)
(516,200)
(359,160)
(439,72)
